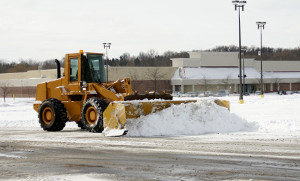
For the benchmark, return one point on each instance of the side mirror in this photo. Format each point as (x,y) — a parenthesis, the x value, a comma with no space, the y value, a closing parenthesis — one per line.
(83,85)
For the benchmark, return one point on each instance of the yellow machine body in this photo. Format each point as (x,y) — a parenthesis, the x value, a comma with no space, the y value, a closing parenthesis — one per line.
(73,96)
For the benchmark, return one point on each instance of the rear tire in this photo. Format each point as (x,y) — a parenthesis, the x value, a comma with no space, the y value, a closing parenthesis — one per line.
(80,125)
(52,115)
(92,114)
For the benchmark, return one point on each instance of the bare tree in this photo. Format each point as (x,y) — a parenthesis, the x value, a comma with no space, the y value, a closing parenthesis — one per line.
(148,59)
(277,83)
(152,53)
(155,75)
(5,89)
(259,83)
(225,81)
(133,75)
(205,82)
(124,59)
(48,64)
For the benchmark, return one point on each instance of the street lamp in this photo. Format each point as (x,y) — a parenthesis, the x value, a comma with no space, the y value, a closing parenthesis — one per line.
(261,26)
(238,5)
(106,45)
(244,74)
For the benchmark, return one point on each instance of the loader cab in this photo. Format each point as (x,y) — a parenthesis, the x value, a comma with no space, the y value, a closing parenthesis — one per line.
(87,67)
(92,68)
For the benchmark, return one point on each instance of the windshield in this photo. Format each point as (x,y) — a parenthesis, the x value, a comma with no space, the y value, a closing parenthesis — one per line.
(93,68)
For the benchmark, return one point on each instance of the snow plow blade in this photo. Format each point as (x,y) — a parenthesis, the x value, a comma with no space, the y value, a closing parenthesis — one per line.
(115,115)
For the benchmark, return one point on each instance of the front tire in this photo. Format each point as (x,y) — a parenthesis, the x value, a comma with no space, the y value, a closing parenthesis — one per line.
(92,114)
(80,125)
(52,115)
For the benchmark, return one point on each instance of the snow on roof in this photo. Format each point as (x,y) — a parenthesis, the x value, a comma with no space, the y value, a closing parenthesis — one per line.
(228,73)
(213,73)
(282,75)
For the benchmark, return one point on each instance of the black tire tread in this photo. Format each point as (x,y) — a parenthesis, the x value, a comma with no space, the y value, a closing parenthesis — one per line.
(100,105)
(80,125)
(60,115)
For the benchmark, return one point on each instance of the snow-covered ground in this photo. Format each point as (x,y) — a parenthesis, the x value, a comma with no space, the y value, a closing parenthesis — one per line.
(273,114)
(19,114)
(256,140)
(278,114)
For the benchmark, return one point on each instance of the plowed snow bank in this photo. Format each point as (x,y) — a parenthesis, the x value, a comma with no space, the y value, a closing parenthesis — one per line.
(274,114)
(196,118)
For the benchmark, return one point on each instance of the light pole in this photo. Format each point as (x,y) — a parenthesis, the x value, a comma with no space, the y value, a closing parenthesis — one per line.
(244,74)
(238,5)
(261,26)
(106,46)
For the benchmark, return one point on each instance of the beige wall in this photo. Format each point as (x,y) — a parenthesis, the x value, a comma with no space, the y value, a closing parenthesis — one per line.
(140,73)
(35,77)
(280,65)
(219,58)
(195,54)
(186,62)
(198,59)
(274,65)
(49,74)
(24,82)
(230,59)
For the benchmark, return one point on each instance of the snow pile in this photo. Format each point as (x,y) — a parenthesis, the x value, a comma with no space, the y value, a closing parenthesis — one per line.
(201,117)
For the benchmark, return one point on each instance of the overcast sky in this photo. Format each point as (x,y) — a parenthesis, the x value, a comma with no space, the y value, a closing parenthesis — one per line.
(45,29)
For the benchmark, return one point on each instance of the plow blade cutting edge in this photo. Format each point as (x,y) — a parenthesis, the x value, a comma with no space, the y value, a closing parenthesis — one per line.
(115,115)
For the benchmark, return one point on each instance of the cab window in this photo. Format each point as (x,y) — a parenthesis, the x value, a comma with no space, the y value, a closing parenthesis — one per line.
(73,69)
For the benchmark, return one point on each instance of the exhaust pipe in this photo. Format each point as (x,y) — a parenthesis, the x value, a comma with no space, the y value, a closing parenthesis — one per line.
(58,68)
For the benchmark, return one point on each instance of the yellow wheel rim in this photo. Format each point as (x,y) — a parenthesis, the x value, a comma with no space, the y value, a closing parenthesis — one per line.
(91,115)
(47,115)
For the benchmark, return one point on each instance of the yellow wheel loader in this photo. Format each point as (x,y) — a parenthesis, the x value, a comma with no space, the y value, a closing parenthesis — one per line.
(83,95)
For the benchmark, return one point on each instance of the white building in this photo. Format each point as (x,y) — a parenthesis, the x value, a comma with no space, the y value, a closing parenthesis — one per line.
(214,71)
